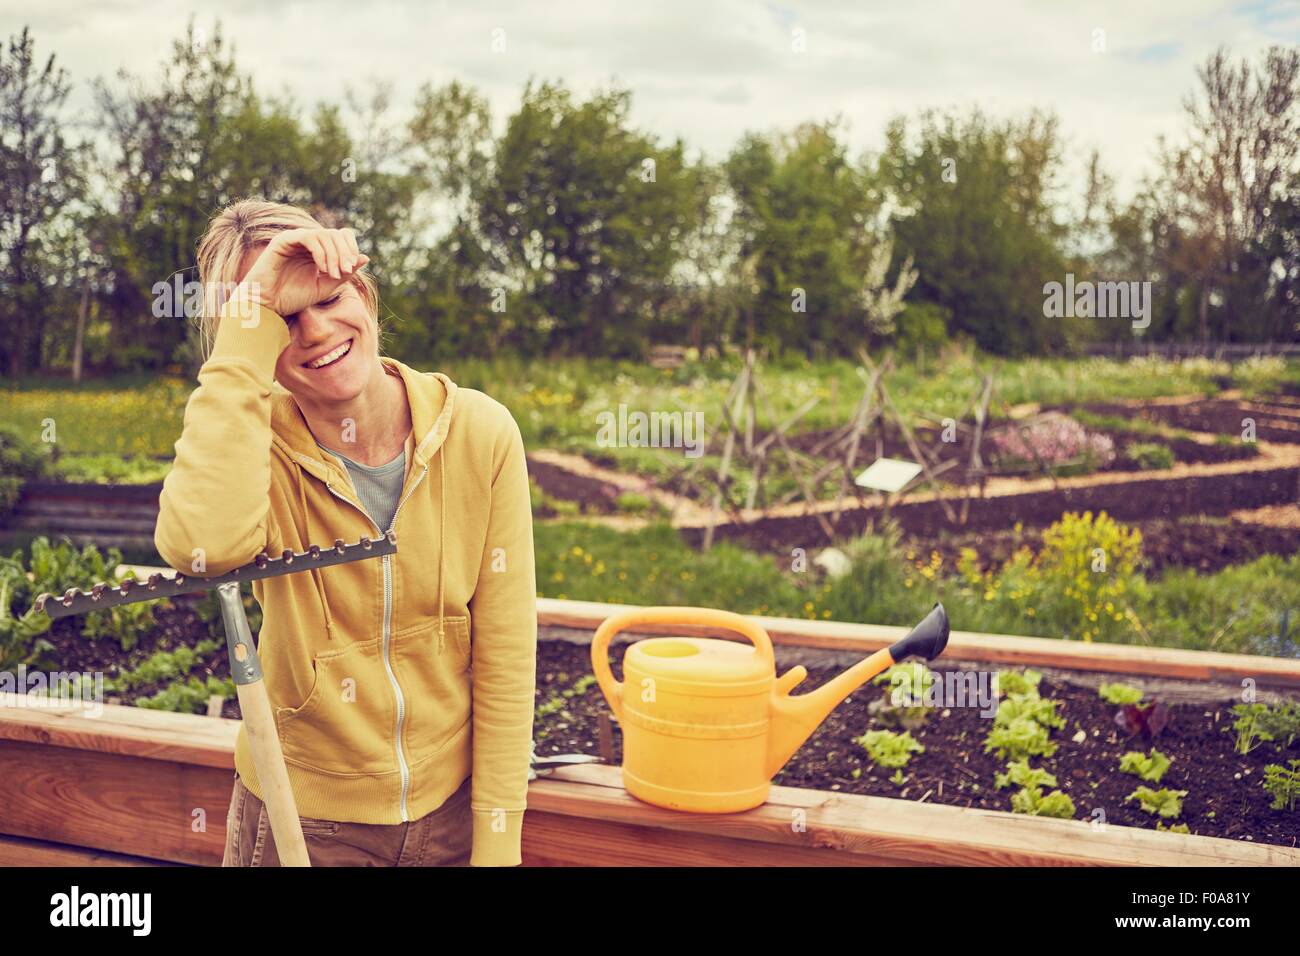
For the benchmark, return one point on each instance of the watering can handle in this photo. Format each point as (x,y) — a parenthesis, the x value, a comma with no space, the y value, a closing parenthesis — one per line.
(699,616)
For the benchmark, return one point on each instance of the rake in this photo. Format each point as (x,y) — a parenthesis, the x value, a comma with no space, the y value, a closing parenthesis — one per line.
(245,668)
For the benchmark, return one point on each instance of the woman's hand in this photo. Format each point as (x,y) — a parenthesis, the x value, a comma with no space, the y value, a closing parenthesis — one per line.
(300,267)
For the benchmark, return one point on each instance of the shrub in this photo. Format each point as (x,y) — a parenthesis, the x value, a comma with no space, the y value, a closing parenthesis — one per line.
(1149,456)
(1053,442)
(21,461)
(1259,374)
(923,327)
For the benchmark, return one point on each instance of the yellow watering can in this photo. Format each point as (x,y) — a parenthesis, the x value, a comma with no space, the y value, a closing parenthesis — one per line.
(707,723)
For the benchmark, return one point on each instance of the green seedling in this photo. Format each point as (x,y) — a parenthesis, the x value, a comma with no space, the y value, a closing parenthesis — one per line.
(1166,803)
(1150,766)
(1016,682)
(889,749)
(1283,784)
(1120,694)
(1249,727)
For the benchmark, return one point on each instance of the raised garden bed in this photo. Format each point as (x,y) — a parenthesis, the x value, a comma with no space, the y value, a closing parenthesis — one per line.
(121,777)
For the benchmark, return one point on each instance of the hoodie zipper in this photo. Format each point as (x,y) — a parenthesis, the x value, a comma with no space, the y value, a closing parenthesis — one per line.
(388,633)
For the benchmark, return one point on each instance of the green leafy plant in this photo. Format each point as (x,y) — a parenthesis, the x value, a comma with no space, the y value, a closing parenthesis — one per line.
(1024,720)
(1166,803)
(1032,801)
(1030,798)
(1150,456)
(21,461)
(903,703)
(1150,766)
(1019,739)
(1283,784)
(190,697)
(1021,774)
(889,749)
(1120,694)
(56,567)
(1281,722)
(1173,828)
(1249,727)
(1016,682)
(1041,710)
(112,469)
(163,666)
(18,633)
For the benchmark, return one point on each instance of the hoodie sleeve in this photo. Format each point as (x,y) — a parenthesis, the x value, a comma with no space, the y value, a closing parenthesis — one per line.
(215,501)
(503,615)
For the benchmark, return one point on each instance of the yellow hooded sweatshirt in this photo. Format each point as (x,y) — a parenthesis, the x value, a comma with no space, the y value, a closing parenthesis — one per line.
(368,664)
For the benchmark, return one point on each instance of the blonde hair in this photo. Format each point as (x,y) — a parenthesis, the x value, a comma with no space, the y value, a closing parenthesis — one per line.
(232,232)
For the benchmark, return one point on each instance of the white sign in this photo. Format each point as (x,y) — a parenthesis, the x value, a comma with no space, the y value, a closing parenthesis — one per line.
(888,474)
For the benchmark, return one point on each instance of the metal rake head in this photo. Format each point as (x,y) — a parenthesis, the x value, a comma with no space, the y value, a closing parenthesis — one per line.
(105,595)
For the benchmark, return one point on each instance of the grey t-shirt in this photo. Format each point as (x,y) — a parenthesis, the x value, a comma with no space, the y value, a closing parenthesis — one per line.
(378,487)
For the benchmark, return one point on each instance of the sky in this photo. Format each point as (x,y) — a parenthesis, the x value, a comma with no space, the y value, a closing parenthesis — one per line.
(1115,71)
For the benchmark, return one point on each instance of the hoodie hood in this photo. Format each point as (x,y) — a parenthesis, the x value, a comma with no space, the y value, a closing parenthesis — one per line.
(432,398)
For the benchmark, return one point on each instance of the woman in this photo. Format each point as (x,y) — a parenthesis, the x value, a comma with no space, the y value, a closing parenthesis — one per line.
(301,433)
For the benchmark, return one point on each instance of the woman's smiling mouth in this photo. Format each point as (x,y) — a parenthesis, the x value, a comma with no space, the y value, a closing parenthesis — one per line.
(329,358)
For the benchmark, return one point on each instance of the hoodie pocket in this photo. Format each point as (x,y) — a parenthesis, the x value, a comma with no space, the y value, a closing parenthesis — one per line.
(435,686)
(346,724)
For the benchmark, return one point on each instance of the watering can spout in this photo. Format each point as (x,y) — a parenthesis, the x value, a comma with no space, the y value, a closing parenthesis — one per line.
(795,718)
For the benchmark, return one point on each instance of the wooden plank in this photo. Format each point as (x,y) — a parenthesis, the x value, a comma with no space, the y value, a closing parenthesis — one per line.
(127,731)
(19,851)
(145,806)
(103,800)
(855,829)
(972,646)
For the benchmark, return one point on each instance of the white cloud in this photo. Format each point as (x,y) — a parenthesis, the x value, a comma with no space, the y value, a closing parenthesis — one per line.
(708,72)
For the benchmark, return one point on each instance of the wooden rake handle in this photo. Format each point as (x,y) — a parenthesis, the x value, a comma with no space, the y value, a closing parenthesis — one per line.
(259,725)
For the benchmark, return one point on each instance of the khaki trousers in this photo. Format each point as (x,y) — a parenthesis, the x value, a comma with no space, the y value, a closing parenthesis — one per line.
(440,838)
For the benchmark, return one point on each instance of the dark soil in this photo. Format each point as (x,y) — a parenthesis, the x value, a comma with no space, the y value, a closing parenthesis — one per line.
(1204,545)
(593,495)
(1225,797)
(177,624)
(1217,416)
(1138,500)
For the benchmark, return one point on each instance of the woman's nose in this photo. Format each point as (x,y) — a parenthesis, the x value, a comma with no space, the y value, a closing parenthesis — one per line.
(313,327)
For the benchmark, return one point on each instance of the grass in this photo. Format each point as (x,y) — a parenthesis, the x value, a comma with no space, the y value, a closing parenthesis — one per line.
(556,402)
(1237,610)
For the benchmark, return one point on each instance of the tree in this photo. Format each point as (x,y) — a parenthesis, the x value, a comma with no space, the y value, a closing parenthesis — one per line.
(181,150)
(1226,197)
(584,219)
(40,178)
(805,221)
(972,203)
